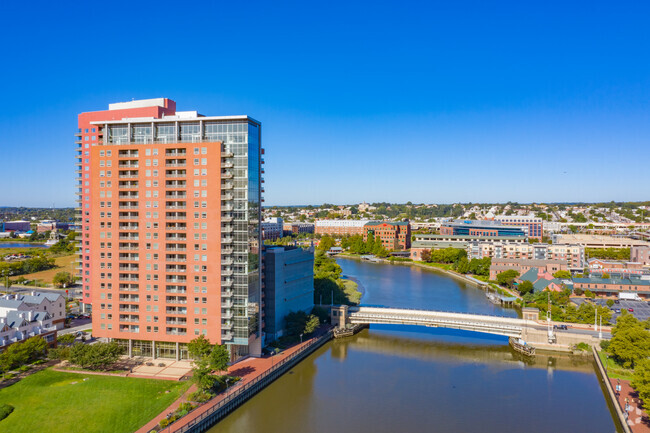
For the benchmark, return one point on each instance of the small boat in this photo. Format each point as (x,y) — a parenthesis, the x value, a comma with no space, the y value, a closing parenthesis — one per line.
(520,346)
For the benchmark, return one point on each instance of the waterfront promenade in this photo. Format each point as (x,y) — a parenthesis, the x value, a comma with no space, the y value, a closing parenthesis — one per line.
(250,370)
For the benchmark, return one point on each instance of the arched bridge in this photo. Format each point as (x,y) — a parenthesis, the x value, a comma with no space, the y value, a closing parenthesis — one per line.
(510,327)
(530,329)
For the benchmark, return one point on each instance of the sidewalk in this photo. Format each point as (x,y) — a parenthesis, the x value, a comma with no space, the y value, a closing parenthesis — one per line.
(638,421)
(248,369)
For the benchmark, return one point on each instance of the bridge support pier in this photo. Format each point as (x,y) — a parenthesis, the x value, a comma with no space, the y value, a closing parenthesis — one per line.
(340,317)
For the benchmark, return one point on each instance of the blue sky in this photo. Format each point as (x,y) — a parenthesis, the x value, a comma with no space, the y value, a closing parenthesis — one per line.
(434,102)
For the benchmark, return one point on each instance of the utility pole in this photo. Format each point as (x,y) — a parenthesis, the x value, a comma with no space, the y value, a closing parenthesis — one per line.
(600,332)
(548,319)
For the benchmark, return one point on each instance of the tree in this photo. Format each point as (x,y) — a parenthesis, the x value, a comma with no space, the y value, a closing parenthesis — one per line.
(525,287)
(98,356)
(63,279)
(312,324)
(199,347)
(507,278)
(326,242)
(563,275)
(641,379)
(463,266)
(426,256)
(65,340)
(299,322)
(630,341)
(605,276)
(219,358)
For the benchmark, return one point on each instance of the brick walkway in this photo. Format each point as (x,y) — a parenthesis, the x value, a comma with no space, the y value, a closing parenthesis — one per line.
(248,370)
(638,421)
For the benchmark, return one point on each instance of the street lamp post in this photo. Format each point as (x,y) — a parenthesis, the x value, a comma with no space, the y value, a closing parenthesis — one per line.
(301,338)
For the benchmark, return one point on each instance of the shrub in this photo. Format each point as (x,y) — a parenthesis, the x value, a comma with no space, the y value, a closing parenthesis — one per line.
(578,292)
(185,407)
(5,410)
(200,396)
(610,302)
(583,346)
(604,344)
(164,423)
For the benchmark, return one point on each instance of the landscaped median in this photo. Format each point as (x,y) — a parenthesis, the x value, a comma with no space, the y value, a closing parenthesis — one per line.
(52,401)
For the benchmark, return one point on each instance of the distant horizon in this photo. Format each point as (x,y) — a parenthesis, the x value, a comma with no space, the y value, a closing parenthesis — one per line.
(395,203)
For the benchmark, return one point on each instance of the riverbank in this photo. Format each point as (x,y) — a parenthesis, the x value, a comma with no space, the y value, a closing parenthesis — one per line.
(612,398)
(462,277)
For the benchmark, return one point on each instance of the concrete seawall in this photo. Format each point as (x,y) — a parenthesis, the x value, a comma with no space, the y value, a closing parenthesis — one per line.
(610,391)
(206,416)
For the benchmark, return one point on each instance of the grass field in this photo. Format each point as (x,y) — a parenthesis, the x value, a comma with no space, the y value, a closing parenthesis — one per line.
(57,402)
(63,264)
(351,291)
(614,369)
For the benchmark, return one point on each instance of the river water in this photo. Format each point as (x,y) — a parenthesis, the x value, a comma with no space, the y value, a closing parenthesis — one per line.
(415,379)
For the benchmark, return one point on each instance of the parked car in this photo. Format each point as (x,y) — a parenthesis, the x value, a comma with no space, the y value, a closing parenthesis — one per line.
(617,310)
(631,310)
(564,327)
(616,301)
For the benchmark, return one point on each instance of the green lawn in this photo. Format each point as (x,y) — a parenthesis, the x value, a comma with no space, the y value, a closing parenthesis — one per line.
(351,291)
(614,369)
(53,402)
(445,266)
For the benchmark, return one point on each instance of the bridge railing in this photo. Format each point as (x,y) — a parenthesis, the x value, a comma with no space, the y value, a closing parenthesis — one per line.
(357,308)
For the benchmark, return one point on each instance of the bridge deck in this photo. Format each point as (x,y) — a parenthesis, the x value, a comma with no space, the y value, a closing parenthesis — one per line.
(508,326)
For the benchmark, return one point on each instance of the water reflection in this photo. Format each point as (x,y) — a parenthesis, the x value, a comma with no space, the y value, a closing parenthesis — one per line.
(402,379)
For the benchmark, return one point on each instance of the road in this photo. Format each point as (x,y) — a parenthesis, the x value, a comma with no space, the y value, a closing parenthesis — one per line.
(79,325)
(72,293)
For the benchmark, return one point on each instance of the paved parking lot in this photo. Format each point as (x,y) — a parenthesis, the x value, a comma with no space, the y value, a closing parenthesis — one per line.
(641,308)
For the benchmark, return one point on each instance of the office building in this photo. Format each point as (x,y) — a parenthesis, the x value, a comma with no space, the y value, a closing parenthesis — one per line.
(296,228)
(481,228)
(534,225)
(18,226)
(394,235)
(288,286)
(170,213)
(272,228)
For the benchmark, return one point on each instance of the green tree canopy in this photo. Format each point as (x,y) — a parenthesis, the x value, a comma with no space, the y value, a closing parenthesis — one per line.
(562,275)
(525,287)
(507,278)
(630,341)
(63,279)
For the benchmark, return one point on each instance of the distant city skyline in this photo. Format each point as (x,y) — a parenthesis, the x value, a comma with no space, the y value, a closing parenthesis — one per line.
(430,104)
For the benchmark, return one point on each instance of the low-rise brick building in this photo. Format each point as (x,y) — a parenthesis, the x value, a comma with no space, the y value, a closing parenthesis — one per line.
(613,286)
(340,227)
(640,254)
(393,235)
(524,265)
